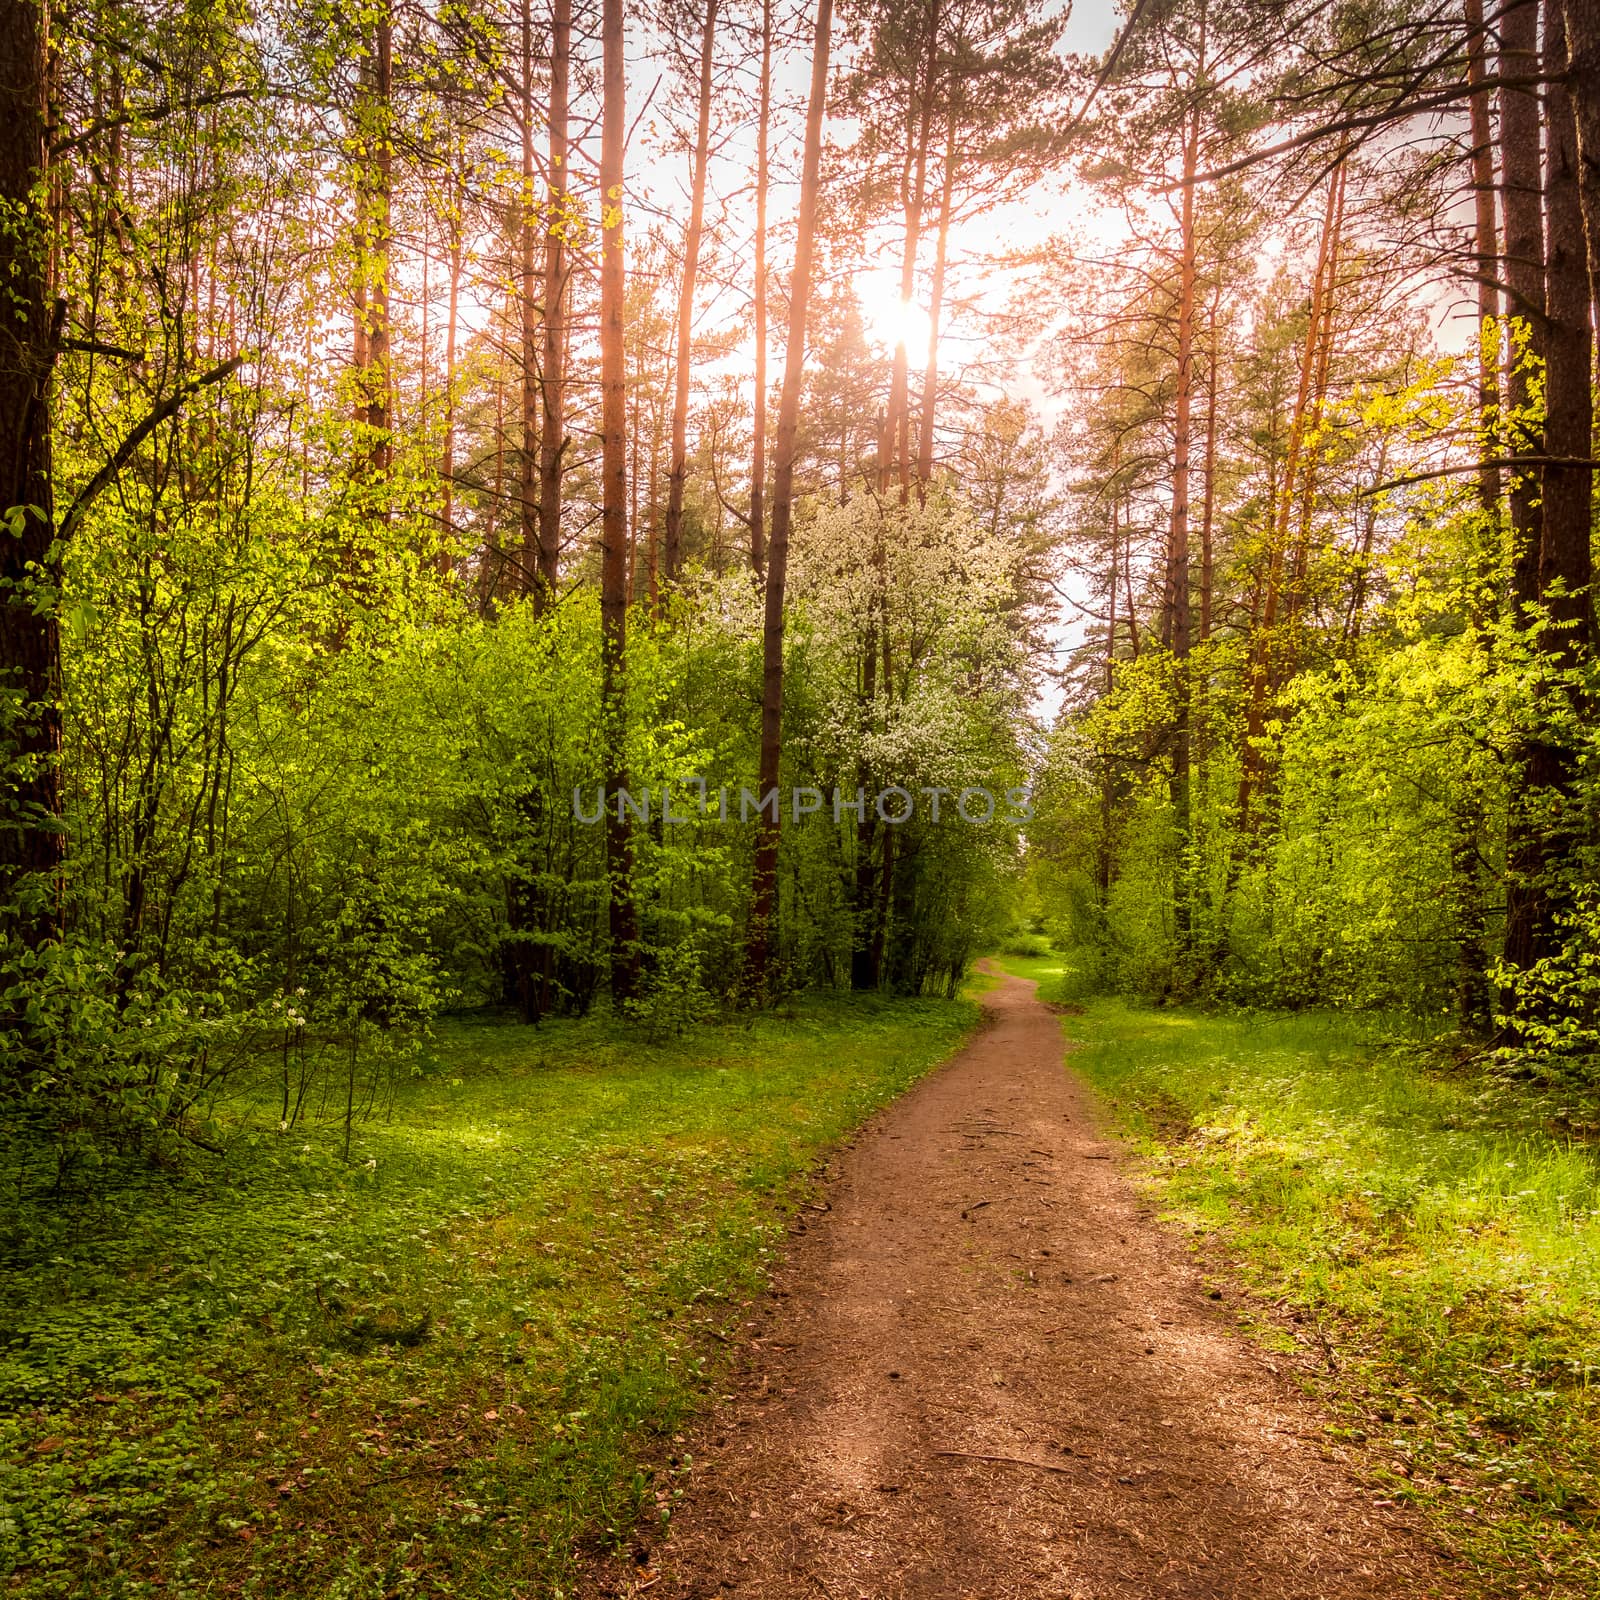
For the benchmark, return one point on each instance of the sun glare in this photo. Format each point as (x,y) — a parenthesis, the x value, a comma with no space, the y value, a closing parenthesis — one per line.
(891,320)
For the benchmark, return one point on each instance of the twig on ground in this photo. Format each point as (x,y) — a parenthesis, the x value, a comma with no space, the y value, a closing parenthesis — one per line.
(1010,1461)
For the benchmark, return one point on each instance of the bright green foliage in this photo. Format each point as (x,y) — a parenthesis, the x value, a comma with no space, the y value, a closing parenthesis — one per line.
(1368,869)
(305,819)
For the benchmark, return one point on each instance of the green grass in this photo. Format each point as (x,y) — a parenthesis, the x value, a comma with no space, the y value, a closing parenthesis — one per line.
(1053,972)
(1422,1244)
(436,1368)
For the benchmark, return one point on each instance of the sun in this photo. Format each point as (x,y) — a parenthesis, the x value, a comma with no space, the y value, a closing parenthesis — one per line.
(890,320)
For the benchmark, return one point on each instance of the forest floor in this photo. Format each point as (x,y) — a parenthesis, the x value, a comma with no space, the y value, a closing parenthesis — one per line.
(985,1370)
(1323,1306)
(438,1365)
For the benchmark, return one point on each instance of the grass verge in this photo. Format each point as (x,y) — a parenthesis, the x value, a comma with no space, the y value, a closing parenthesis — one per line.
(437,1367)
(1421,1246)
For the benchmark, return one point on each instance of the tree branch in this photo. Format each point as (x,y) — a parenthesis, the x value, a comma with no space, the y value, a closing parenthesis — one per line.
(94,347)
(155,113)
(1107,67)
(1478,466)
(1374,119)
(120,457)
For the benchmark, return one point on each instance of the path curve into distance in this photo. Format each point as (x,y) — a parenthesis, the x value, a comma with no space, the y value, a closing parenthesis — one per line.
(985,1371)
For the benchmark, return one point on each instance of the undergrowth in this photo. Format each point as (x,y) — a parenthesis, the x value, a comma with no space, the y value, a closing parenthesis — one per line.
(437,1367)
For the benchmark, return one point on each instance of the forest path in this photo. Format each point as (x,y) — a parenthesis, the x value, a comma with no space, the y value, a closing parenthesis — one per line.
(985,1282)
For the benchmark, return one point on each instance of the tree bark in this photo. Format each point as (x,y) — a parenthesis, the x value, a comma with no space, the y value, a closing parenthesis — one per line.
(1208,508)
(447,463)
(552,433)
(863,966)
(1280,500)
(1178,551)
(528,482)
(1522,186)
(652,530)
(1466,809)
(30,652)
(941,255)
(489,563)
(758,427)
(635,388)
(1521,192)
(672,552)
(898,424)
(623,917)
(1564,552)
(1103,842)
(1583,84)
(1485,257)
(376,229)
(1546,832)
(1301,569)
(765,886)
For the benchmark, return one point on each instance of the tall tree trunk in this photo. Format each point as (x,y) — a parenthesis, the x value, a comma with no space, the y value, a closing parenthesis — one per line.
(652,532)
(1309,457)
(1583,84)
(883,908)
(1467,886)
(1551,831)
(863,967)
(1521,192)
(447,463)
(1103,843)
(360,336)
(915,180)
(1522,186)
(930,375)
(672,554)
(764,897)
(552,433)
(30,651)
(1485,252)
(1564,544)
(1178,554)
(1127,583)
(758,427)
(636,444)
(377,242)
(489,566)
(1280,501)
(1208,507)
(623,919)
(528,481)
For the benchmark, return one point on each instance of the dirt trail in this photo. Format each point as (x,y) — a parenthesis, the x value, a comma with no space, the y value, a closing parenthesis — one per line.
(986,1281)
